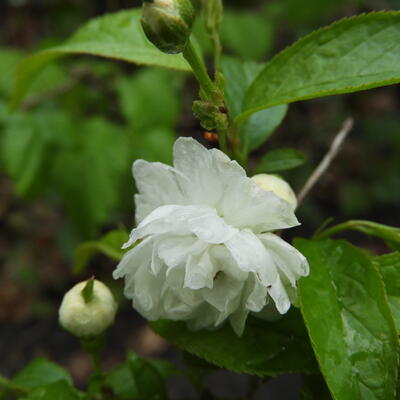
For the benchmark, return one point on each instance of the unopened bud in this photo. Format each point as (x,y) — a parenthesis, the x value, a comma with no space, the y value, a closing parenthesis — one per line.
(168,23)
(85,317)
(277,185)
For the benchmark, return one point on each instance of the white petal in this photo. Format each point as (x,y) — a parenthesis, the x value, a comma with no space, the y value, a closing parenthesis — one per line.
(258,297)
(158,185)
(245,205)
(208,170)
(251,256)
(287,259)
(199,272)
(175,250)
(134,258)
(180,220)
(279,295)
(147,291)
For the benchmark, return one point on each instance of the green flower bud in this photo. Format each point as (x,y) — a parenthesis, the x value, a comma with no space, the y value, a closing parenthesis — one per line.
(85,317)
(168,23)
(277,185)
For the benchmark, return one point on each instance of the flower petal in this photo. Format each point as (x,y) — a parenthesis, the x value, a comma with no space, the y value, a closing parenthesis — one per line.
(158,185)
(246,205)
(287,259)
(208,171)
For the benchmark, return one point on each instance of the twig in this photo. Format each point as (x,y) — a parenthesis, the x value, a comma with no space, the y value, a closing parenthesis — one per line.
(327,160)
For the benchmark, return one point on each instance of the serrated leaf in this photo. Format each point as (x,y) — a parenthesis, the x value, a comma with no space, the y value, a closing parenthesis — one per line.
(55,391)
(280,160)
(265,349)
(389,266)
(118,36)
(353,54)
(41,372)
(110,245)
(344,305)
(238,77)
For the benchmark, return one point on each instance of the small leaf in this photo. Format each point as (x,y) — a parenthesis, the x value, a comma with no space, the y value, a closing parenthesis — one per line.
(58,390)
(353,54)
(349,321)
(389,266)
(280,160)
(120,380)
(238,77)
(149,382)
(109,245)
(87,291)
(40,372)
(118,36)
(284,344)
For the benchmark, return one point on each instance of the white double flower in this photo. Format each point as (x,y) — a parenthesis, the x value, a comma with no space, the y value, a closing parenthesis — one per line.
(204,251)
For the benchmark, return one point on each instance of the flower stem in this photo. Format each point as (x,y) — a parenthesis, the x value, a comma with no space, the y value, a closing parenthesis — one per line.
(199,70)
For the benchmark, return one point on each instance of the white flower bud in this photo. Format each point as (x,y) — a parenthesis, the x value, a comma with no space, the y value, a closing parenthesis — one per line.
(277,185)
(91,318)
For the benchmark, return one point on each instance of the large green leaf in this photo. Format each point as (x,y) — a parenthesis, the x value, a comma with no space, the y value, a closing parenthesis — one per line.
(238,77)
(350,55)
(345,308)
(265,349)
(118,36)
(389,265)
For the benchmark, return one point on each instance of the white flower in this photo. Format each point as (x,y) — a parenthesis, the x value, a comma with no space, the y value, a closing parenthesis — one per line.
(204,249)
(85,319)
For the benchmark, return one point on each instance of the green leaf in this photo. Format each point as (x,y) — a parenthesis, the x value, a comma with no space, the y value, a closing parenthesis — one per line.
(344,305)
(91,172)
(58,390)
(353,54)
(284,344)
(118,36)
(41,372)
(238,77)
(247,34)
(389,266)
(27,148)
(388,233)
(110,245)
(149,381)
(122,383)
(150,99)
(50,77)
(280,160)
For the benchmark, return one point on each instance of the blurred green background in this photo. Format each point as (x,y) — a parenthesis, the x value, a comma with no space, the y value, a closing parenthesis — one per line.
(66,155)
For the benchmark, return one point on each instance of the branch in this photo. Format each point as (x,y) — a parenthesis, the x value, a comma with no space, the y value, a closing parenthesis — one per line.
(327,160)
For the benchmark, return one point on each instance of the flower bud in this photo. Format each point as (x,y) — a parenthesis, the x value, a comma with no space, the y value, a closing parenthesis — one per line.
(168,23)
(87,317)
(277,185)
